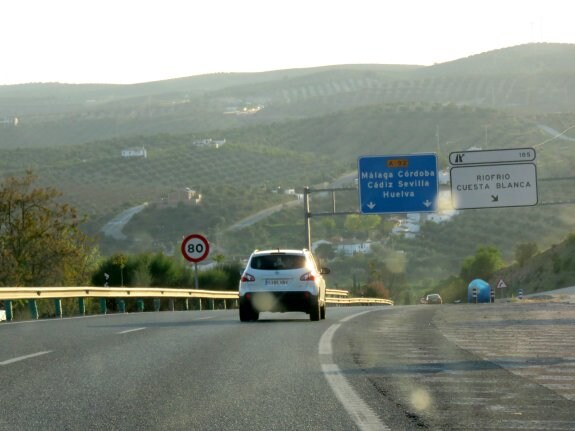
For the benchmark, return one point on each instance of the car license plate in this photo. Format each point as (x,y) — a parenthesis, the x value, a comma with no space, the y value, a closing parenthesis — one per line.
(276,281)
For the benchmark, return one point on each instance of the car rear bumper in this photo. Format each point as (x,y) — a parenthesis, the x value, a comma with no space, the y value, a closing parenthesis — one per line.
(279,301)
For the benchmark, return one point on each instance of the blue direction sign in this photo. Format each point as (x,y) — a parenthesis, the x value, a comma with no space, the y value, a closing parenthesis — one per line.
(398,183)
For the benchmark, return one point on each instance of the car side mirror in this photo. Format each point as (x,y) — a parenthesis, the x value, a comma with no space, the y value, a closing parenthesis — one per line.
(324,271)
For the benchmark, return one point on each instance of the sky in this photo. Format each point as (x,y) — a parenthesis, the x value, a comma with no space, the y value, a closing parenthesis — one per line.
(131,41)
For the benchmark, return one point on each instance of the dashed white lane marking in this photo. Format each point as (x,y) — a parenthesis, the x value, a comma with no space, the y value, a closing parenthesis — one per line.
(141,329)
(22,358)
(131,330)
(359,411)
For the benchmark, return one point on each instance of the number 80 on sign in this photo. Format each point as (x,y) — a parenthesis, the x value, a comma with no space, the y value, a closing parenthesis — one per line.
(195,248)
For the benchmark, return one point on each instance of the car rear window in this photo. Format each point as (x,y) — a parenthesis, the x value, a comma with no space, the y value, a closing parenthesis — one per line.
(278,261)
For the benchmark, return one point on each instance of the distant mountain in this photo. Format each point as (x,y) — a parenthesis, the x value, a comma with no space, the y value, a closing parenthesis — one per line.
(285,128)
(528,59)
(530,79)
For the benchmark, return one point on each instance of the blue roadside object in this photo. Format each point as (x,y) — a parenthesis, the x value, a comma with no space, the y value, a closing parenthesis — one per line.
(482,291)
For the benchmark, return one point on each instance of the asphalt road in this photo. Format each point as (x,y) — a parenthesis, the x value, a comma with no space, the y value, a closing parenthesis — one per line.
(114,227)
(503,366)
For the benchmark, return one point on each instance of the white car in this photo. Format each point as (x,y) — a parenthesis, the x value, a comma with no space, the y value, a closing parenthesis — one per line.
(282,280)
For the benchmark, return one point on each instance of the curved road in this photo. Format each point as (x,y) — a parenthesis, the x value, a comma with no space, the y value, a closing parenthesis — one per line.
(114,227)
(503,366)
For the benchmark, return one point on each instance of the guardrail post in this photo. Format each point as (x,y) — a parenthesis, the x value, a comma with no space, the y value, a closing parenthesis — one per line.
(103,308)
(82,306)
(157,304)
(200,299)
(33,308)
(58,307)
(212,304)
(186,304)
(8,309)
(140,305)
(171,304)
(121,306)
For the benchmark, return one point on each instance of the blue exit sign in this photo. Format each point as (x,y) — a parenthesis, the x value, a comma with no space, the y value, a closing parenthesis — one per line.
(398,183)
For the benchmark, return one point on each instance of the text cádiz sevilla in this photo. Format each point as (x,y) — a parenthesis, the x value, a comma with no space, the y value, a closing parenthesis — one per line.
(406,180)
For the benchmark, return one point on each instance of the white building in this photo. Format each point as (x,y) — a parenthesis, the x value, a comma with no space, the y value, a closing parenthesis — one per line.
(135,152)
(347,248)
(209,142)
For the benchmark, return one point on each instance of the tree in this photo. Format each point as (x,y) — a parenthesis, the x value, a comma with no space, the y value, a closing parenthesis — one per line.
(325,251)
(40,240)
(329,225)
(357,224)
(524,252)
(483,265)
(120,261)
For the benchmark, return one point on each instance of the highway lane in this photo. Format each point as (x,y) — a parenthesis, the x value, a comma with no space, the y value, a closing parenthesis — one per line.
(503,366)
(181,370)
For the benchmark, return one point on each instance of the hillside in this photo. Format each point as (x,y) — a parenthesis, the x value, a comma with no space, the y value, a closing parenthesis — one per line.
(290,129)
(289,154)
(528,79)
(552,268)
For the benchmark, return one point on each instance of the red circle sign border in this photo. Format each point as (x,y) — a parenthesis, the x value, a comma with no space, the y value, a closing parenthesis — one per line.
(201,238)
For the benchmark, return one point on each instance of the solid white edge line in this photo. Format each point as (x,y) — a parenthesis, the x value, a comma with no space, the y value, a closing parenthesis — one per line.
(131,330)
(359,411)
(353,316)
(22,358)
(361,414)
(324,347)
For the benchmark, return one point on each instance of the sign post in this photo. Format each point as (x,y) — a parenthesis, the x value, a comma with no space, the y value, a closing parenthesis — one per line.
(195,248)
(501,285)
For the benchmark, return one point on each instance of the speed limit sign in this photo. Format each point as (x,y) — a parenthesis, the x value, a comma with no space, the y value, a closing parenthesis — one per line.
(195,248)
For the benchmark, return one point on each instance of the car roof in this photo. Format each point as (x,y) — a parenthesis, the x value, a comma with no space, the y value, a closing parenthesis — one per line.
(279,251)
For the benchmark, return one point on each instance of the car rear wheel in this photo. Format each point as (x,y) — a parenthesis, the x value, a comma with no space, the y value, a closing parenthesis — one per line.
(314,311)
(322,312)
(247,313)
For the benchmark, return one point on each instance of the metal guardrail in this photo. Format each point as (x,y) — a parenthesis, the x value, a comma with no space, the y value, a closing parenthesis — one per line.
(354,301)
(333,296)
(336,292)
(123,292)
(111,292)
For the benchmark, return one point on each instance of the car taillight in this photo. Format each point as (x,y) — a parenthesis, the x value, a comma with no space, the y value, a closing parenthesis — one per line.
(308,276)
(247,278)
